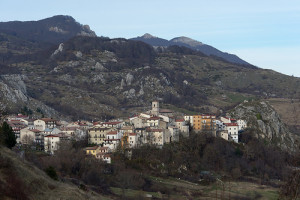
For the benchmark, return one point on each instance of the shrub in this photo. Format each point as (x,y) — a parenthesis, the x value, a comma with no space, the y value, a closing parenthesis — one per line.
(258,116)
(50,171)
(7,136)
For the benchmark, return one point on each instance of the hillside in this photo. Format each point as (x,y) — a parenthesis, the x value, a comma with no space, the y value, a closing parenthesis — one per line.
(94,77)
(20,179)
(192,44)
(99,78)
(18,37)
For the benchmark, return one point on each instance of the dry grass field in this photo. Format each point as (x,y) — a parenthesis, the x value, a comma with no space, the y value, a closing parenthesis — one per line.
(289,111)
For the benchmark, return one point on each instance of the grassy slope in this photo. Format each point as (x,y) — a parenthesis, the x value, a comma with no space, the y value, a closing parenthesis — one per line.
(37,185)
(289,109)
(186,190)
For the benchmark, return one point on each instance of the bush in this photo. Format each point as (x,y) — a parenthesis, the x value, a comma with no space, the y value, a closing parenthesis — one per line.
(50,171)
(258,116)
(7,136)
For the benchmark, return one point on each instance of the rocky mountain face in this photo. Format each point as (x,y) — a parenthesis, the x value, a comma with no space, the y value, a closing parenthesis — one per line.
(95,77)
(19,37)
(193,44)
(261,116)
(14,95)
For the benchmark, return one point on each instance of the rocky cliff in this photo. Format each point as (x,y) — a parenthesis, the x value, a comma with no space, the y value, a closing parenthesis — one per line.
(261,116)
(14,96)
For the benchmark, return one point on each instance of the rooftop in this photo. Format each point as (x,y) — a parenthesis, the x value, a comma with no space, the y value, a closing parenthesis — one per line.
(231,124)
(92,148)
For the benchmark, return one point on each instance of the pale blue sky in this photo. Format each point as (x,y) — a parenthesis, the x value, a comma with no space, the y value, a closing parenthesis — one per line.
(264,33)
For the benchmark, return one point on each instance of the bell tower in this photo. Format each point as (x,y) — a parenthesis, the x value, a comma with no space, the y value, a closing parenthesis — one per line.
(155,108)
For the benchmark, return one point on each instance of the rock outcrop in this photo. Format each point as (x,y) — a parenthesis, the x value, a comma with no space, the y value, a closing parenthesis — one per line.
(266,121)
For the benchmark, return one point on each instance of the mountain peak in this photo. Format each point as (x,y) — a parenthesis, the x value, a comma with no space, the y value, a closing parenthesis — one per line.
(148,36)
(62,17)
(186,40)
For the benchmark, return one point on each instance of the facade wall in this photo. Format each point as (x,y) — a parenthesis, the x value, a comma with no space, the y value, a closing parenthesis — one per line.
(27,136)
(39,125)
(51,144)
(98,135)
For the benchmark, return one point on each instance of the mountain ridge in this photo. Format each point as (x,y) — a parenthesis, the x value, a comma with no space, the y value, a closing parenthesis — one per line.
(45,32)
(190,43)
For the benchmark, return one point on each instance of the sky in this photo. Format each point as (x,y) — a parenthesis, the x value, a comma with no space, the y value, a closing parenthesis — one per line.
(263,33)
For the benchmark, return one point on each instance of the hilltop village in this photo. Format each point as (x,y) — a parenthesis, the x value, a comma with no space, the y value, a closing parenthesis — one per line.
(154,127)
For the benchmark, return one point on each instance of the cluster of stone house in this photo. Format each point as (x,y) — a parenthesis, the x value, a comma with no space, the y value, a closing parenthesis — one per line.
(226,128)
(154,127)
(229,128)
(45,133)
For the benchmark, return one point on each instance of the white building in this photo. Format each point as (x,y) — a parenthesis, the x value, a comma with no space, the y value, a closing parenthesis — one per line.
(116,124)
(172,134)
(155,137)
(220,125)
(133,140)
(183,127)
(189,118)
(242,124)
(39,124)
(232,129)
(51,143)
(111,143)
(153,122)
(107,158)
(27,136)
(165,118)
(227,120)
(112,140)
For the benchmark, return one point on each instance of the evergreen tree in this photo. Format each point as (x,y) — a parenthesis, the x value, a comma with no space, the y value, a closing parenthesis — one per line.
(7,136)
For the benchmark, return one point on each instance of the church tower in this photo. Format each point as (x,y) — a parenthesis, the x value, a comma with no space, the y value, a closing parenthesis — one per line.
(155,108)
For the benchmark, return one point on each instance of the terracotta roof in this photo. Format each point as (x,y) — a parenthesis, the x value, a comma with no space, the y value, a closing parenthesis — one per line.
(132,134)
(231,124)
(92,148)
(68,128)
(112,133)
(107,155)
(52,135)
(21,116)
(97,129)
(48,120)
(154,118)
(15,120)
(179,120)
(111,123)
